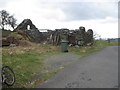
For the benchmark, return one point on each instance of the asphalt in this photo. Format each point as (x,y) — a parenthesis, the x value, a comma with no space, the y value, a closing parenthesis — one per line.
(98,70)
(61,60)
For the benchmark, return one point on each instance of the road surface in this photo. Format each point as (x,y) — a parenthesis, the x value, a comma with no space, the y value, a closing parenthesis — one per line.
(98,70)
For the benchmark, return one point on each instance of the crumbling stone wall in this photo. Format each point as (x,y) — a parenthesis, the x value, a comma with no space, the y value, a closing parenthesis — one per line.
(55,37)
(75,37)
(89,37)
(72,37)
(80,36)
(58,35)
(83,37)
(30,30)
(24,25)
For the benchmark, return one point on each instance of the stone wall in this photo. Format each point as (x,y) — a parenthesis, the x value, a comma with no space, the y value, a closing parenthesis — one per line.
(57,35)
(30,30)
(75,37)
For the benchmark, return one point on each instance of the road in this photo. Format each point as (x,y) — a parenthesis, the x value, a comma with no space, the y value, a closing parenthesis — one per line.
(98,70)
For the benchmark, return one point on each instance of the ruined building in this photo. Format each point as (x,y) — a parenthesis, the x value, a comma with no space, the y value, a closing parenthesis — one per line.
(57,35)
(75,37)
(26,30)
(29,30)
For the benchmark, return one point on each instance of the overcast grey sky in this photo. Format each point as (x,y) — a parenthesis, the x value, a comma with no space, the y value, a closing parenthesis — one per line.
(99,15)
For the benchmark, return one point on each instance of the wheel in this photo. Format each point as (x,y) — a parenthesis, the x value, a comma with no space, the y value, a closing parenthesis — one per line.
(8,76)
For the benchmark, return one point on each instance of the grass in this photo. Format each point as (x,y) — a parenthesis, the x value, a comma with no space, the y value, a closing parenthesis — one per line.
(28,62)
(22,65)
(86,50)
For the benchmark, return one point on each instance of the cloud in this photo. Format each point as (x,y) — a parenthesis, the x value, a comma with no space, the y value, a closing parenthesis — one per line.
(100,15)
(62,11)
(2,3)
(88,10)
(73,11)
(119,9)
(34,10)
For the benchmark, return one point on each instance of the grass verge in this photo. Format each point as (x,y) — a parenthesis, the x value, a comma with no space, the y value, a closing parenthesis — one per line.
(28,64)
(86,50)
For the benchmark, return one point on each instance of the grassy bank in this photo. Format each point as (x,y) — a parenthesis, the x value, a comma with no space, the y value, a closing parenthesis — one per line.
(28,62)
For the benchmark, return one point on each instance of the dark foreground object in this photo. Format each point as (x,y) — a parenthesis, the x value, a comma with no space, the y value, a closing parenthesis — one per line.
(99,70)
(8,76)
(66,51)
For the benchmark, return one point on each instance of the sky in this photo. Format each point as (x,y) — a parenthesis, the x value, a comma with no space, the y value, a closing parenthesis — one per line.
(99,15)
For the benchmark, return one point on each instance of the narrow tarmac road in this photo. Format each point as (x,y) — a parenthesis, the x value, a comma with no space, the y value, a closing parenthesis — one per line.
(99,70)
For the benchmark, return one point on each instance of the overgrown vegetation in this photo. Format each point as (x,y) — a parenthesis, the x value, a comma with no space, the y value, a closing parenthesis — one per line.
(28,62)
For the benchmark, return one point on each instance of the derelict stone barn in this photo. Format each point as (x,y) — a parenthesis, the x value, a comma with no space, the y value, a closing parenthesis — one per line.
(75,37)
(56,36)
(28,28)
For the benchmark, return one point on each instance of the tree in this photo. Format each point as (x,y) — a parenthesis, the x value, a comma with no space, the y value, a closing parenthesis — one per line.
(96,35)
(3,18)
(7,19)
(12,21)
